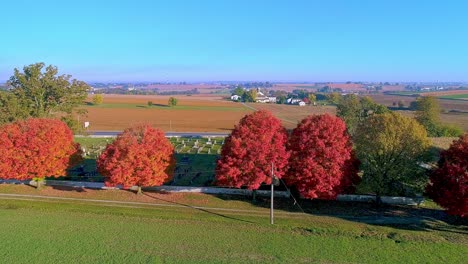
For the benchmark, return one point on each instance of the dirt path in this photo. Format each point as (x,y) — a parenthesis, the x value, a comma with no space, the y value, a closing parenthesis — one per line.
(42,198)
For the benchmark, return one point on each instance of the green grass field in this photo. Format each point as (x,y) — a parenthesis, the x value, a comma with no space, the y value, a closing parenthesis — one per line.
(42,230)
(455,96)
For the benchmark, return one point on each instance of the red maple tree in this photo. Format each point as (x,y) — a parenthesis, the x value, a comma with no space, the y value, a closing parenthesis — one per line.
(248,153)
(449,182)
(36,148)
(140,156)
(322,163)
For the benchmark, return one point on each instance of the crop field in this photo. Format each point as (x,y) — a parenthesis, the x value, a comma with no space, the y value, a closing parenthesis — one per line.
(121,227)
(455,96)
(290,115)
(459,119)
(447,105)
(210,113)
(203,113)
(192,113)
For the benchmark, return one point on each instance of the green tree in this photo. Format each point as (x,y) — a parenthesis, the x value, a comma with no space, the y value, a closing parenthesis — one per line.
(172,101)
(312,98)
(334,98)
(281,99)
(250,96)
(354,110)
(10,108)
(98,99)
(43,93)
(238,91)
(428,114)
(391,148)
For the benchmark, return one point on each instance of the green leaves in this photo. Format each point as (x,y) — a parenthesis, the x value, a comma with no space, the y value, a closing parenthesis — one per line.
(354,110)
(43,93)
(391,148)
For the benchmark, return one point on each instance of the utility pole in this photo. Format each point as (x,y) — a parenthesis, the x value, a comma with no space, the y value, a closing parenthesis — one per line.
(272,189)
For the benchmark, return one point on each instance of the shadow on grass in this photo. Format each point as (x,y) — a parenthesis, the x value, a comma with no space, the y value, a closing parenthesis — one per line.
(69,189)
(396,216)
(155,106)
(197,208)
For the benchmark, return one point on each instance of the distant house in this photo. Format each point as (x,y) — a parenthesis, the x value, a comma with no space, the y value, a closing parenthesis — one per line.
(293,100)
(272,99)
(262,98)
(236,97)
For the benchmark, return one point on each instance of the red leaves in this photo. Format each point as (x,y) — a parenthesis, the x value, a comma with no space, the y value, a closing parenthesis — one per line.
(140,156)
(36,148)
(322,163)
(247,154)
(449,183)
(319,161)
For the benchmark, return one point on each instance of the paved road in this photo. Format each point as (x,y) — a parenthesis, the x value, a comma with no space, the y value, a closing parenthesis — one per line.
(168,134)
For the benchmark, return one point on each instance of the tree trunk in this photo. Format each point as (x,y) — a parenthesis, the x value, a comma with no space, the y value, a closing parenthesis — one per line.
(139,192)
(378,200)
(254,196)
(39,184)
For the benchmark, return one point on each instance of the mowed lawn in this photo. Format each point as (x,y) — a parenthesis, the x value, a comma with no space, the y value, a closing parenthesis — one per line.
(159,227)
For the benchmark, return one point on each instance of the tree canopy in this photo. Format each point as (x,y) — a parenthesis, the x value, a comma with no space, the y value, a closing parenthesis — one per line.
(172,101)
(249,96)
(43,93)
(249,151)
(140,156)
(449,182)
(391,148)
(98,99)
(321,163)
(354,110)
(10,108)
(36,148)
(428,114)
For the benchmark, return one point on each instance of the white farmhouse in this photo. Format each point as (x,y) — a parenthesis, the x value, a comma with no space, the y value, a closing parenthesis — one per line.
(235,97)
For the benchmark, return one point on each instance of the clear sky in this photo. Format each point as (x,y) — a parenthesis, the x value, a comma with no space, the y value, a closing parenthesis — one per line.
(290,40)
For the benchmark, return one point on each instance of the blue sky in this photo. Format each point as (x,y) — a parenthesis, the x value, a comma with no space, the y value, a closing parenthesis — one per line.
(293,40)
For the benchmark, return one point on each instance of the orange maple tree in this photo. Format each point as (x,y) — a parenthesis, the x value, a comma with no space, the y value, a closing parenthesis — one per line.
(140,156)
(248,153)
(37,148)
(322,163)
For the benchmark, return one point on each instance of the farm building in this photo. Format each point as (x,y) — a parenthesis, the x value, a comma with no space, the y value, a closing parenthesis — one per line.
(262,98)
(236,97)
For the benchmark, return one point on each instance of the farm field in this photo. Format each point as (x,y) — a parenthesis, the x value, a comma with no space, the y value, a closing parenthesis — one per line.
(166,227)
(455,96)
(209,113)
(447,105)
(290,115)
(192,113)
(203,113)
(452,118)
